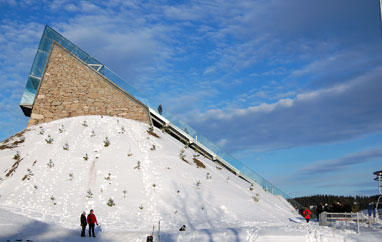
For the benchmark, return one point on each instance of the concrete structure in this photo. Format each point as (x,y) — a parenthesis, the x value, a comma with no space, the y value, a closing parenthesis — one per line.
(71,88)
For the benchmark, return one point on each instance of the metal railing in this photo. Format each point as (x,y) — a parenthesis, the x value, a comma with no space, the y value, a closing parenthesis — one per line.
(345,220)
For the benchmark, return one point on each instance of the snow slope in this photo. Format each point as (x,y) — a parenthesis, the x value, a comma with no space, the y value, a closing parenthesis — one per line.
(53,172)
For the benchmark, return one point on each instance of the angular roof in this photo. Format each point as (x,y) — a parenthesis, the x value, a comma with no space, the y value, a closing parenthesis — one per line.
(38,67)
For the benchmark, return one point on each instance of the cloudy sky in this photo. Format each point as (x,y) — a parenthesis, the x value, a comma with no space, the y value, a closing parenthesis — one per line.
(291,88)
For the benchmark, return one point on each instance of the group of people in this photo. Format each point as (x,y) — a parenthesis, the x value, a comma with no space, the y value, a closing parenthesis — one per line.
(91,220)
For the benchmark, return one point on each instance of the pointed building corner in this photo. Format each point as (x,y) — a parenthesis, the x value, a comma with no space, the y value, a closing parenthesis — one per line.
(66,82)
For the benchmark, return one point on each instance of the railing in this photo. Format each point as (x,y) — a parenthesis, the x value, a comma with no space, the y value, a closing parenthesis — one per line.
(37,70)
(345,220)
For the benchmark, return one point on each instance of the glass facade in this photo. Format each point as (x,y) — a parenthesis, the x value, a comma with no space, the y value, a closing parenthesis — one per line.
(37,71)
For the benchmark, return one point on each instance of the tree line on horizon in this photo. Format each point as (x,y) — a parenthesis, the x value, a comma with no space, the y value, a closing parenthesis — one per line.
(335,203)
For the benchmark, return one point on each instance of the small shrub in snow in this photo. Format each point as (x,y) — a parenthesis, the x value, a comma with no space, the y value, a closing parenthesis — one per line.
(50,164)
(84,123)
(34,162)
(35,187)
(122,130)
(42,131)
(195,156)
(49,140)
(181,154)
(154,185)
(12,170)
(227,179)
(251,188)
(141,207)
(61,129)
(71,176)
(66,146)
(28,175)
(92,134)
(89,194)
(124,193)
(256,198)
(53,199)
(150,131)
(129,154)
(153,147)
(110,202)
(17,156)
(86,157)
(108,178)
(219,168)
(198,184)
(138,165)
(106,142)
(208,176)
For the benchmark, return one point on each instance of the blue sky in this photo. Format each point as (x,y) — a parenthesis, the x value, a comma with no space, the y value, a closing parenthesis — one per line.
(292,88)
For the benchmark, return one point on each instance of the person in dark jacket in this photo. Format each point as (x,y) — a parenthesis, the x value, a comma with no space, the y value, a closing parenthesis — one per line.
(83,224)
(160,109)
(306,214)
(92,220)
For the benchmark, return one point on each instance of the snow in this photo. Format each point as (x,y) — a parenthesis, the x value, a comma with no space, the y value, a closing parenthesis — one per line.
(43,198)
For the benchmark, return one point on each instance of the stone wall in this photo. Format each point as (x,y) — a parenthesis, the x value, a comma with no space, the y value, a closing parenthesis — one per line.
(71,88)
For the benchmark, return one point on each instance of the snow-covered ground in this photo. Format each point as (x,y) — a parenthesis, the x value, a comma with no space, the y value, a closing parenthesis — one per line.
(52,172)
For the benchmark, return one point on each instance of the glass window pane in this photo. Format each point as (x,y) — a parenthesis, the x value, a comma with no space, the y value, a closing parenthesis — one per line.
(45,44)
(39,63)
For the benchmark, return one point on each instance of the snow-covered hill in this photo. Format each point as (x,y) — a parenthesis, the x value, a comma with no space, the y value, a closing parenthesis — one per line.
(133,180)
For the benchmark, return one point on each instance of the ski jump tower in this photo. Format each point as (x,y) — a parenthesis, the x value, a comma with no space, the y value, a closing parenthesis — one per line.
(65,81)
(379,179)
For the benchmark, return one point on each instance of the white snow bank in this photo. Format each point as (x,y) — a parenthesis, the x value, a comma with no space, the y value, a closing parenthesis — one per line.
(66,166)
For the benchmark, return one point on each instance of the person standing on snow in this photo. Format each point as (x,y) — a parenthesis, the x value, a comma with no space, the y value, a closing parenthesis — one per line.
(83,224)
(92,220)
(306,214)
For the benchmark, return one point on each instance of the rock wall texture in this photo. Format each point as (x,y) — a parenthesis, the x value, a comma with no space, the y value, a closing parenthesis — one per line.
(71,88)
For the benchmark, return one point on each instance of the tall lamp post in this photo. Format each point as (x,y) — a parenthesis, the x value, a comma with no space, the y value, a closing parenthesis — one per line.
(379,179)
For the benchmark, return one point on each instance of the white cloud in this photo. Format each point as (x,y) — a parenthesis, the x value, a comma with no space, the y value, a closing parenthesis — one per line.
(71,7)
(342,112)
(326,166)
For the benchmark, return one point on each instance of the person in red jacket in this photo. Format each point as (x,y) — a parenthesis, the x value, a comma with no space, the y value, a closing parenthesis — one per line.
(306,214)
(92,220)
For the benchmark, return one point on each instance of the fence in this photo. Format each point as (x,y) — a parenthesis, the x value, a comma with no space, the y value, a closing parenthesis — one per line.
(344,220)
